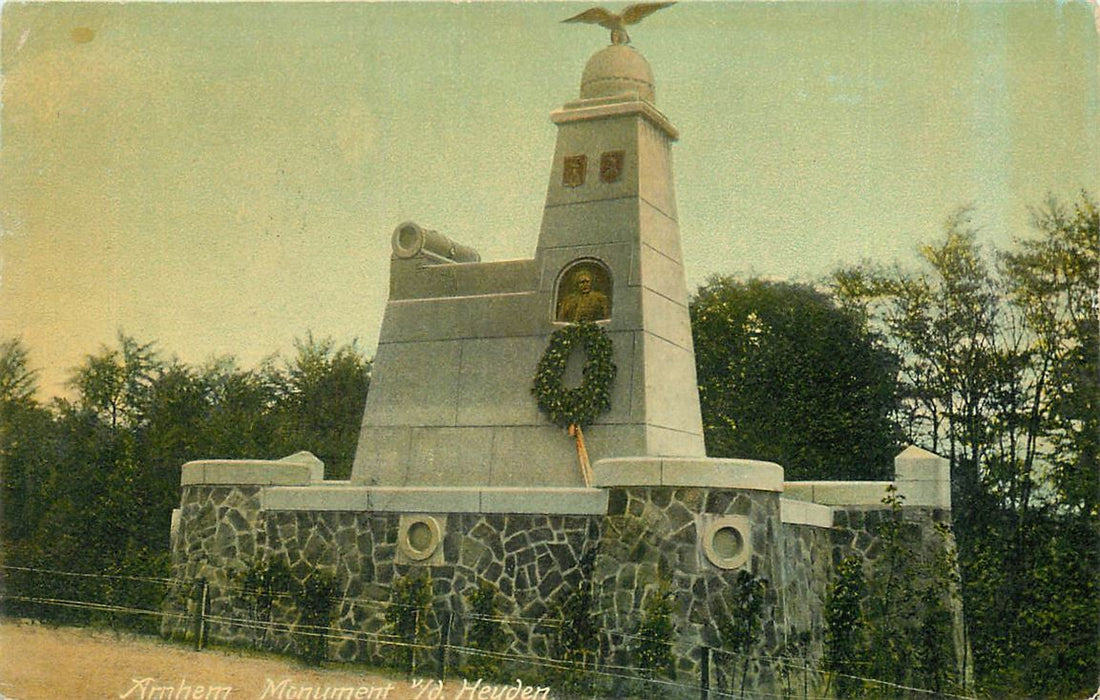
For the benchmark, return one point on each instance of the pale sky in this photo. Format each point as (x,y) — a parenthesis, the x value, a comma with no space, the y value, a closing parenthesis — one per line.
(223,178)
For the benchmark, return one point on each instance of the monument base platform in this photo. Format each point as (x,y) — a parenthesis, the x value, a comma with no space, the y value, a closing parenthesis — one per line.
(702,472)
(691,528)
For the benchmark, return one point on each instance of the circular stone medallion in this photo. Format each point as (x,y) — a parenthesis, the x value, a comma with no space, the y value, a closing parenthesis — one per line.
(726,541)
(420,537)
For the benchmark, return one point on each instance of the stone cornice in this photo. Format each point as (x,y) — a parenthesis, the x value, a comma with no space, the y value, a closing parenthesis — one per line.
(602,108)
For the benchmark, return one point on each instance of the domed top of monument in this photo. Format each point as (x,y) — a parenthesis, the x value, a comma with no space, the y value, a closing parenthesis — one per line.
(618,70)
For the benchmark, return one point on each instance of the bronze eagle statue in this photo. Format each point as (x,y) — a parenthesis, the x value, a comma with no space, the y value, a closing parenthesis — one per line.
(617,22)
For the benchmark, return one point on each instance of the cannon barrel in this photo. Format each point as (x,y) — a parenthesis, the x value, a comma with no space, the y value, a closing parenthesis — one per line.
(411,240)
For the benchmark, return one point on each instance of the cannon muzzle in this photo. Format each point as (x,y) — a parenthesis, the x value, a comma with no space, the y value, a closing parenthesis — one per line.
(411,240)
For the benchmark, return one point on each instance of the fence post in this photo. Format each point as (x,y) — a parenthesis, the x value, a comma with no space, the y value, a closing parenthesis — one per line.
(200,616)
(704,675)
(411,641)
(444,640)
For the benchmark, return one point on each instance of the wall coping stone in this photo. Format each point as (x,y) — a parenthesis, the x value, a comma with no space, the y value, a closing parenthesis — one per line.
(252,472)
(924,493)
(837,493)
(792,512)
(923,477)
(558,501)
(443,499)
(316,466)
(748,474)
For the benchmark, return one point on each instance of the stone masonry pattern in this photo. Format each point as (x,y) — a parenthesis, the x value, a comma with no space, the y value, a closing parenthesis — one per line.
(648,542)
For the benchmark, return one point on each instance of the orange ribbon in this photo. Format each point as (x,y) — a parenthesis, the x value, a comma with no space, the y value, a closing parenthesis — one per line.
(582,453)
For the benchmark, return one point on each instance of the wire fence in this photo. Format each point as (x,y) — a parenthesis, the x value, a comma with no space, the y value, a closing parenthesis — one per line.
(192,611)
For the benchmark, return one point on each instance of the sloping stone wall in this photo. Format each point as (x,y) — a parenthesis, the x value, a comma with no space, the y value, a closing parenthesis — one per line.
(856,530)
(807,573)
(533,560)
(652,542)
(649,542)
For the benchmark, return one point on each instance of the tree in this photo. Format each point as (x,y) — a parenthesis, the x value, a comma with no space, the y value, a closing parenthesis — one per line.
(740,630)
(242,411)
(652,642)
(844,626)
(18,382)
(26,442)
(407,615)
(114,384)
(1053,280)
(942,324)
(485,634)
(173,430)
(316,599)
(321,394)
(999,364)
(787,376)
(89,483)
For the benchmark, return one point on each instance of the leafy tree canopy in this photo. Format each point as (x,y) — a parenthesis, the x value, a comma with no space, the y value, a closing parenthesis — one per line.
(999,366)
(18,381)
(787,376)
(89,483)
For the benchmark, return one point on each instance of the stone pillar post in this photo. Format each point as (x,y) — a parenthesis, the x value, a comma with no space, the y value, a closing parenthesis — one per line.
(924,478)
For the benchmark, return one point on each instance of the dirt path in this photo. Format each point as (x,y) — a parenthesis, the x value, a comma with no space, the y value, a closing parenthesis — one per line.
(38,662)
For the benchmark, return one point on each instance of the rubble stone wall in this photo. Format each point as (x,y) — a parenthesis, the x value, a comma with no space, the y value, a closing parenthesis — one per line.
(650,543)
(533,560)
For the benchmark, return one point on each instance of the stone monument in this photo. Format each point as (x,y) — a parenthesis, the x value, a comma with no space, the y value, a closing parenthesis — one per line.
(450,403)
(459,474)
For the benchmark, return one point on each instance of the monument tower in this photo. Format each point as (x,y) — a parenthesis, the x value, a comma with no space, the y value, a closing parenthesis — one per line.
(451,401)
(611,200)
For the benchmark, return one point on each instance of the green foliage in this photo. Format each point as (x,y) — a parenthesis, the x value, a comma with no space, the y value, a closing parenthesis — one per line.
(892,619)
(584,404)
(936,657)
(774,356)
(578,637)
(934,651)
(652,647)
(486,633)
(27,445)
(18,381)
(316,600)
(844,626)
(741,629)
(263,583)
(942,322)
(1022,633)
(910,589)
(407,615)
(1002,375)
(114,384)
(320,396)
(89,483)
(893,598)
(1052,281)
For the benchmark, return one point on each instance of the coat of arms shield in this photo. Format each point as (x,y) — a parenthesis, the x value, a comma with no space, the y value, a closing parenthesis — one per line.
(611,166)
(573,170)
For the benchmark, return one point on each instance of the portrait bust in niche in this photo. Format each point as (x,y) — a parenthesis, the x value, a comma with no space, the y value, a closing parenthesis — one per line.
(584,293)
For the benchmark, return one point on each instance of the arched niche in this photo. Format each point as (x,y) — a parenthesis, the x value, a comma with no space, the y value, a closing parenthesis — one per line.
(583,292)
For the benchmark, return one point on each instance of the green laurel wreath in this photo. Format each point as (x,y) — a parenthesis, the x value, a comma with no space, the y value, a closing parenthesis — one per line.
(582,405)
